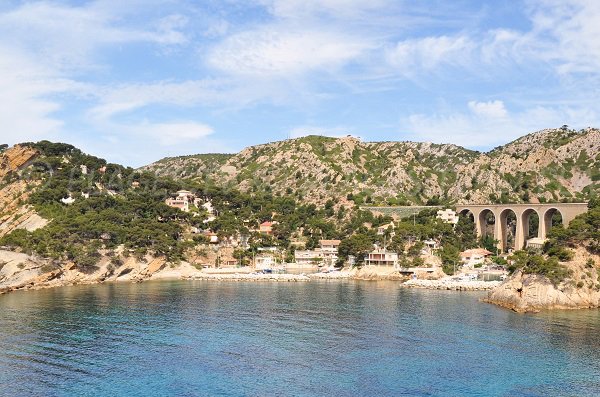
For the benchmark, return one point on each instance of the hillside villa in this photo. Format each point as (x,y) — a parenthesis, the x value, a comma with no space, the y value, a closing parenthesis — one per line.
(181,200)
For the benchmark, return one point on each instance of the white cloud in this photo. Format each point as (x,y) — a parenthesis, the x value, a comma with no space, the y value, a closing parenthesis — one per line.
(169,134)
(25,90)
(412,56)
(571,32)
(43,45)
(489,124)
(295,9)
(66,37)
(279,52)
(491,109)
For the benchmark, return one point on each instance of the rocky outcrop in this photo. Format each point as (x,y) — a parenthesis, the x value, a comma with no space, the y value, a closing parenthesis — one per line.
(15,191)
(23,217)
(19,271)
(16,158)
(532,293)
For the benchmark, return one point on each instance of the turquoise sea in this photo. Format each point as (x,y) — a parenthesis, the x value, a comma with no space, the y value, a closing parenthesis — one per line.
(337,338)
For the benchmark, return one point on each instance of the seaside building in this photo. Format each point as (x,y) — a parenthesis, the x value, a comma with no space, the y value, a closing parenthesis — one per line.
(326,254)
(264,261)
(329,251)
(474,256)
(448,216)
(380,257)
(309,257)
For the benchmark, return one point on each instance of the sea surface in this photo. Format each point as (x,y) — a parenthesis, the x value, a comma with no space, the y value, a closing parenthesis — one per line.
(336,338)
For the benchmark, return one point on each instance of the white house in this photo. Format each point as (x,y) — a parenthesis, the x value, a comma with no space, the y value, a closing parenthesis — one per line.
(264,261)
(448,216)
(536,243)
(67,200)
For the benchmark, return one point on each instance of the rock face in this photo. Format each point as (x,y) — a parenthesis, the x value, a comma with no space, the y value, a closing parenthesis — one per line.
(15,190)
(19,271)
(532,293)
(15,158)
(547,165)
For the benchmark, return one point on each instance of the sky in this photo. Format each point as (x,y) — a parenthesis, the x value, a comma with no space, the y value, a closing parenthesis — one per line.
(133,81)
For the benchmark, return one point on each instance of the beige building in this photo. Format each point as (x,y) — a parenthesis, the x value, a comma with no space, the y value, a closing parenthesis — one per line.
(329,251)
(308,257)
(181,200)
(382,258)
(474,256)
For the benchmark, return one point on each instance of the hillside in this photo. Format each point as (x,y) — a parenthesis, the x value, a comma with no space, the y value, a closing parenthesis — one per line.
(549,165)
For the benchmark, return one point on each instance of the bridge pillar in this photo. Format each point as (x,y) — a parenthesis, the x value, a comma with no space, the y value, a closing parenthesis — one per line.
(522,229)
(544,226)
(500,230)
(479,222)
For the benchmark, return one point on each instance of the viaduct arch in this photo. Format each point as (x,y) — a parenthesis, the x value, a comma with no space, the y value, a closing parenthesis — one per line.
(523,213)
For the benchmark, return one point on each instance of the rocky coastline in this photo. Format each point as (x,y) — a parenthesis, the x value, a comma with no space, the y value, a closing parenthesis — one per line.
(23,272)
(533,293)
(453,285)
(520,292)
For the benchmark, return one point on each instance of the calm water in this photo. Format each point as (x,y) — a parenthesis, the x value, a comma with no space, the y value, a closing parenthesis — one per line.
(266,339)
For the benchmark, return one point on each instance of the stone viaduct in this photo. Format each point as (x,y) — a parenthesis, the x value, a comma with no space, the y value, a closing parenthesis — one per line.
(522,212)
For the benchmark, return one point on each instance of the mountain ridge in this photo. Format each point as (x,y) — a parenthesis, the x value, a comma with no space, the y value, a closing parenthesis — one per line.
(547,165)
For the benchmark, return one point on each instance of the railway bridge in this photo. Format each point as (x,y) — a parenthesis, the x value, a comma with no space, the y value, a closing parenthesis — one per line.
(522,212)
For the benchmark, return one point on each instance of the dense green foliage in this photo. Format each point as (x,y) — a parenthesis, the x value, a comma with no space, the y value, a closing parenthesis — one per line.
(126,208)
(584,231)
(530,263)
(115,214)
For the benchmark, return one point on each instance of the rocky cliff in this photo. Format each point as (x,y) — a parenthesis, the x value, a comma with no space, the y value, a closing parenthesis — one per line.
(532,293)
(15,190)
(16,158)
(548,165)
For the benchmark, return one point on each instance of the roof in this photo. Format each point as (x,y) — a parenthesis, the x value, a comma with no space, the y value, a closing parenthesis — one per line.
(330,242)
(476,251)
(267,223)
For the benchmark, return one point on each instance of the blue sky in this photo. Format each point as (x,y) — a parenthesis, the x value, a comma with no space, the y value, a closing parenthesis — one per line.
(134,81)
